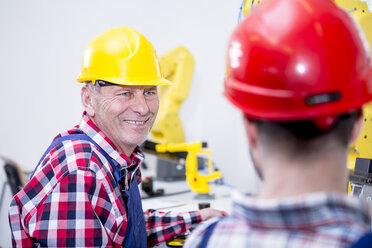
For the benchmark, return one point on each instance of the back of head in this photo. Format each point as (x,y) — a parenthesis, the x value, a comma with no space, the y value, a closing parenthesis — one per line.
(298,61)
(302,140)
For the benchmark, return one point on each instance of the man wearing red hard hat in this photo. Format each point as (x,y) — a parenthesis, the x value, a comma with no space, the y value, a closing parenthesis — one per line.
(300,71)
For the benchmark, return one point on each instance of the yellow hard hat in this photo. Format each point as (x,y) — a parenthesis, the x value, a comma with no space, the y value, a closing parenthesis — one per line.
(121,56)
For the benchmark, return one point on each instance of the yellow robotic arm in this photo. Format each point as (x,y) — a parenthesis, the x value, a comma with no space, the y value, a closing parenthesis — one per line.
(177,66)
(361,13)
(167,132)
(363,146)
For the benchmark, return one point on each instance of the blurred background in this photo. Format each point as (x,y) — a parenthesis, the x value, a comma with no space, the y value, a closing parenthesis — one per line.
(41,48)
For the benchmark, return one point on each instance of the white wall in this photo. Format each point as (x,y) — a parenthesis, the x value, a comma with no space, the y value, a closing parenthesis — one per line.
(41,45)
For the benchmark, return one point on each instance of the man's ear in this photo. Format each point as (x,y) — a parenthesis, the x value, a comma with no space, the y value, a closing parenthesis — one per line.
(251,130)
(87,100)
(356,129)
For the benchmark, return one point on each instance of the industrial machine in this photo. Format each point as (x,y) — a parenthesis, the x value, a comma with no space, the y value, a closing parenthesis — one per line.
(360,153)
(198,182)
(177,160)
(362,147)
(360,160)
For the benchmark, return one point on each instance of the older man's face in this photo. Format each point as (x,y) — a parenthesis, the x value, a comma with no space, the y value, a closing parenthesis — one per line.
(125,114)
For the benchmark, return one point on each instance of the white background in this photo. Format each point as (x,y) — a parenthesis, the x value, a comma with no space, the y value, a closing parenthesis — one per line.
(41,46)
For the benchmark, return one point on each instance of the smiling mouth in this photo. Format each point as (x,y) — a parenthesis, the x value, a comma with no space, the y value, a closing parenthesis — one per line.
(136,122)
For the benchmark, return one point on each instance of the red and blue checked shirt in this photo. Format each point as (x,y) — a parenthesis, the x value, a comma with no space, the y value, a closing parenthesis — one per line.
(72,200)
(316,220)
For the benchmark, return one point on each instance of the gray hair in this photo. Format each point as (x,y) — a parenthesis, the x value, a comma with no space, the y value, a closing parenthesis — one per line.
(96,88)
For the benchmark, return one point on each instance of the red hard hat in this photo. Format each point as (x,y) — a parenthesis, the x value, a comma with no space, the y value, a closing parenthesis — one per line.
(298,60)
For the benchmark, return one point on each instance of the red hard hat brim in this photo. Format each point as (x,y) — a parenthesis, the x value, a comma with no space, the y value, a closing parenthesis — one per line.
(287,105)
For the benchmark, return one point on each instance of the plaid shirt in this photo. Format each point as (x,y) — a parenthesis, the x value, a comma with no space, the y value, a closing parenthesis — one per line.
(312,220)
(73,200)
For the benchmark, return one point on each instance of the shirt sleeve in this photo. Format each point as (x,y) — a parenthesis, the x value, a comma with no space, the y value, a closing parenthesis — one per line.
(160,226)
(78,212)
(20,235)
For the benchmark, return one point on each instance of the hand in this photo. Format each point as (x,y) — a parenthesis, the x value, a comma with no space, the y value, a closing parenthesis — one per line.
(207,213)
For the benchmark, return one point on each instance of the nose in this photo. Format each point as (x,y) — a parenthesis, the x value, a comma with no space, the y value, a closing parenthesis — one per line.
(139,104)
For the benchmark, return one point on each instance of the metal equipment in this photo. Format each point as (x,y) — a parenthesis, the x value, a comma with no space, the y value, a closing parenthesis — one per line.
(196,175)
(197,181)
(360,176)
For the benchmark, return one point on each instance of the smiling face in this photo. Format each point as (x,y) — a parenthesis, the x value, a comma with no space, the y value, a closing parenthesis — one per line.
(125,114)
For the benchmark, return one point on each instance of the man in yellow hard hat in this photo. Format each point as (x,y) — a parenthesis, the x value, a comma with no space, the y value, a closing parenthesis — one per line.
(84,191)
(302,108)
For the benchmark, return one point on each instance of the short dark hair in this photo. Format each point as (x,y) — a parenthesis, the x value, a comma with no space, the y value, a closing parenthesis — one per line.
(304,138)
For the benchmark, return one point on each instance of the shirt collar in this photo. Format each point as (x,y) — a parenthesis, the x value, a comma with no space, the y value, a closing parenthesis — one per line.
(90,129)
(305,211)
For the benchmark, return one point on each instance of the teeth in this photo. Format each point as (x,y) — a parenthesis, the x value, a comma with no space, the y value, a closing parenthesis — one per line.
(136,122)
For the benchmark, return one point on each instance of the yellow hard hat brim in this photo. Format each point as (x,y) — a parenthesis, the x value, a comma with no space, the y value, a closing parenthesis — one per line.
(127,81)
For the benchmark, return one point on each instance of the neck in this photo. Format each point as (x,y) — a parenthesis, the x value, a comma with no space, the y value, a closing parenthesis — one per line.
(122,148)
(125,150)
(285,177)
